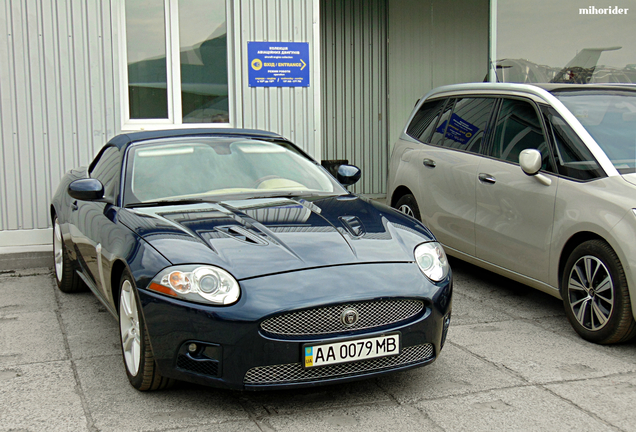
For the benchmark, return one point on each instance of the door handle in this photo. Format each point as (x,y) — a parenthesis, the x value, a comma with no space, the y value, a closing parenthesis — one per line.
(74,205)
(429,163)
(487,178)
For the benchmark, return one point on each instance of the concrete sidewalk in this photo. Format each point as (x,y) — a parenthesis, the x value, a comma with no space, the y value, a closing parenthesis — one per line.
(511,362)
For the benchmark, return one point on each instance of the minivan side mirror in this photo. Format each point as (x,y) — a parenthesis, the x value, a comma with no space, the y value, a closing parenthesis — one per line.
(530,161)
(348,174)
(89,189)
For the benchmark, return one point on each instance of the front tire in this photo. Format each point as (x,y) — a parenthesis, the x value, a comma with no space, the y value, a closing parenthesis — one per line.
(139,360)
(595,294)
(407,205)
(68,281)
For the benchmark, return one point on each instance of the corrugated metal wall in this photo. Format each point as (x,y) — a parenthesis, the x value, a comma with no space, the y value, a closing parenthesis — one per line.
(292,112)
(355,88)
(60,93)
(57,102)
(433,43)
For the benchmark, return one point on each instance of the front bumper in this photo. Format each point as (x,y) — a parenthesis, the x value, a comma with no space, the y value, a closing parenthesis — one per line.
(226,346)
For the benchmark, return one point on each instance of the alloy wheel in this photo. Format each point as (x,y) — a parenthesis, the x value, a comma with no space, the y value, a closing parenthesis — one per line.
(129,328)
(58,253)
(406,210)
(591,292)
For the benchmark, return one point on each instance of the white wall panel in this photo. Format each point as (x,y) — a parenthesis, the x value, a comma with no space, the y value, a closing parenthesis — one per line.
(354,88)
(57,102)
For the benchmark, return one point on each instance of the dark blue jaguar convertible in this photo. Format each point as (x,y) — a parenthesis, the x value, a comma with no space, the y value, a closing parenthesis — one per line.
(231,258)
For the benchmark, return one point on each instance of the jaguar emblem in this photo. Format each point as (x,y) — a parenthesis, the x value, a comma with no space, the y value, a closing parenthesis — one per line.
(349,317)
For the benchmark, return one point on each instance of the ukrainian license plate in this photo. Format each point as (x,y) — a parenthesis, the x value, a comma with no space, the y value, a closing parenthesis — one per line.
(351,350)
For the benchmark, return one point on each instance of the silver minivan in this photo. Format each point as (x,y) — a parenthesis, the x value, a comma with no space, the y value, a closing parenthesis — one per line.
(534,182)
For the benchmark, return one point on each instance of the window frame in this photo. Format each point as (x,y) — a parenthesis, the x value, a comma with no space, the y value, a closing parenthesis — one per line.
(173,74)
(487,148)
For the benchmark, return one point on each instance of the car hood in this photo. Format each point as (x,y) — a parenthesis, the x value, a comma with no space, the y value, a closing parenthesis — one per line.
(256,237)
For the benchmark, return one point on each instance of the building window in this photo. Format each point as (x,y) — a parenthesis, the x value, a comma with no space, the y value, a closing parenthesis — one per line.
(160,90)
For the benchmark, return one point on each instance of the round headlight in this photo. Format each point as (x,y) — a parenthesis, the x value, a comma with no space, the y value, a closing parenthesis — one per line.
(431,259)
(207,284)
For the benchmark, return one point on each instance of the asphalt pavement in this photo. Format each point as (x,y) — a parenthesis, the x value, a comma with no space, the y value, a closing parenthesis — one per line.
(511,362)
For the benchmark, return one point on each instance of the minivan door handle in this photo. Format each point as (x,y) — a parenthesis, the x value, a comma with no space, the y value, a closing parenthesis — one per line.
(487,178)
(429,163)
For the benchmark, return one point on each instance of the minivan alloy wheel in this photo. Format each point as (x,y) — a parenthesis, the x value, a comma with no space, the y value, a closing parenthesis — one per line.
(406,210)
(591,292)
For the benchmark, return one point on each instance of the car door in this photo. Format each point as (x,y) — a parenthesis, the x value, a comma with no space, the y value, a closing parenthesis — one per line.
(514,211)
(448,168)
(94,221)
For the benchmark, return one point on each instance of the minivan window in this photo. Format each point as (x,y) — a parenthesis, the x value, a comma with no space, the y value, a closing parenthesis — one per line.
(518,127)
(442,124)
(425,119)
(467,124)
(573,158)
(610,117)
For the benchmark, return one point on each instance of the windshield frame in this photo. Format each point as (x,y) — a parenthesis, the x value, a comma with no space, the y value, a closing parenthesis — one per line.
(130,200)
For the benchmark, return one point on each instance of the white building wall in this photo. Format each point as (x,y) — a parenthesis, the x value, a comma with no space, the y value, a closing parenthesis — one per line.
(60,93)
(57,104)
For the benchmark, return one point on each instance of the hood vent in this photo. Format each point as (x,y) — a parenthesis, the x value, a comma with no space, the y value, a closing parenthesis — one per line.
(241,234)
(353,225)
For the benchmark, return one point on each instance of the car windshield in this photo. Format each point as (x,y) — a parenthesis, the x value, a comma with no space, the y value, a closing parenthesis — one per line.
(209,168)
(610,117)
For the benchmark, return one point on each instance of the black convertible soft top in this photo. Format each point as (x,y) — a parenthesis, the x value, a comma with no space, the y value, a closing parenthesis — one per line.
(123,140)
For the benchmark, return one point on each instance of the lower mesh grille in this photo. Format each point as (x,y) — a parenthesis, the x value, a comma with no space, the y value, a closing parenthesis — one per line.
(204,367)
(294,372)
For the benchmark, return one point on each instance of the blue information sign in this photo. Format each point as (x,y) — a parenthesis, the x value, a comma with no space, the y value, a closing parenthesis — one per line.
(278,64)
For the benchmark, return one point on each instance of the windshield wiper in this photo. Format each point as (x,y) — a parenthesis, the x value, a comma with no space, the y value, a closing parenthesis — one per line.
(170,202)
(291,195)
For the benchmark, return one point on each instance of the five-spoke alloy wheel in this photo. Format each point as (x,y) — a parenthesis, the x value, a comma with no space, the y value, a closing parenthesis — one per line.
(595,295)
(407,205)
(135,346)
(67,279)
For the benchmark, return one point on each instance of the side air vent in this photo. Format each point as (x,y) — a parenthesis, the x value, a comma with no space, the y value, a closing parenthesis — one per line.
(241,234)
(353,225)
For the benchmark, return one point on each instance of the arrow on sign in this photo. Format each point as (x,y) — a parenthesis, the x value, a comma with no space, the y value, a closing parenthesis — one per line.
(304,64)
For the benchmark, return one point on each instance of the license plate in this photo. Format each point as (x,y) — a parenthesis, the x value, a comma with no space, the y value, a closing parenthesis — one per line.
(351,350)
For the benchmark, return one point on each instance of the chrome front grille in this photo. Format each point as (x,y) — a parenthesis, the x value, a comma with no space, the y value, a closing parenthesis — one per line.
(327,320)
(295,372)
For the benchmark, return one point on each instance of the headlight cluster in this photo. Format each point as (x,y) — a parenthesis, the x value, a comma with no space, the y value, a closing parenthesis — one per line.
(431,259)
(202,284)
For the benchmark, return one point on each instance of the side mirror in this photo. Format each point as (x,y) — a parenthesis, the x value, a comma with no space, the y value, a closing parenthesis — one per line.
(86,190)
(348,174)
(530,161)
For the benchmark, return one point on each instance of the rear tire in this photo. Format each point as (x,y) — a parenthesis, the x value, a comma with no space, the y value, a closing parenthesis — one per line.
(68,281)
(596,296)
(407,205)
(139,360)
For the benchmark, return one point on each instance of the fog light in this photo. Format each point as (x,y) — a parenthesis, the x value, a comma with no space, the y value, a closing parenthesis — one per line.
(192,347)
